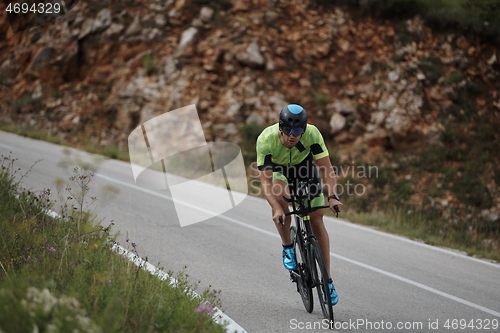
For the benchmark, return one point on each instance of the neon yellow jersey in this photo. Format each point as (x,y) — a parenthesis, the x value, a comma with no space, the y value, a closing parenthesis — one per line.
(270,150)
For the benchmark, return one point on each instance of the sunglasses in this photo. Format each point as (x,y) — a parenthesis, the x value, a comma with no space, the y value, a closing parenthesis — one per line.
(296,131)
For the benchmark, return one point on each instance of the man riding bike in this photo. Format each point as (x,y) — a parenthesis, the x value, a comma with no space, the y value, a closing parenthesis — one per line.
(287,152)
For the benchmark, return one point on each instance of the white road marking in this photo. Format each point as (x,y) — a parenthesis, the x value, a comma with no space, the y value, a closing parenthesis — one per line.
(218,316)
(417,284)
(404,239)
(352,261)
(8,147)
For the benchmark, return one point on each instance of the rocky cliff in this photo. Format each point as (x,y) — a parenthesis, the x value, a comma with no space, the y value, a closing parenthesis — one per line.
(376,89)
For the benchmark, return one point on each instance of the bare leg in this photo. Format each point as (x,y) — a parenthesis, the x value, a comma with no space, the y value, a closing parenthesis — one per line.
(321,234)
(280,189)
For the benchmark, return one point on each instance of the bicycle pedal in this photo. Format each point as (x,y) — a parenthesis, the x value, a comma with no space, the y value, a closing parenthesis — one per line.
(293,276)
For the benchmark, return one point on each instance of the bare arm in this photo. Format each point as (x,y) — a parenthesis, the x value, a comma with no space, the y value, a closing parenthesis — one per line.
(266,181)
(330,180)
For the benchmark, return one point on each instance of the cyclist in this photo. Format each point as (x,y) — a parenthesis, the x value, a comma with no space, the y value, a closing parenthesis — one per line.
(286,152)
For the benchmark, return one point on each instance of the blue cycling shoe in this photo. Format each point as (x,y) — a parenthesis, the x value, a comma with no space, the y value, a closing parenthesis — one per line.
(333,294)
(289,259)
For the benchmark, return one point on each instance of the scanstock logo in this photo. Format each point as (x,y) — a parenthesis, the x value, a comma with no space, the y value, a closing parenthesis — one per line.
(204,179)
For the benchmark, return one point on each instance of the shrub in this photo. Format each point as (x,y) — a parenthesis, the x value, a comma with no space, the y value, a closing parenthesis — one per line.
(454,77)
(484,11)
(26,103)
(470,190)
(148,64)
(223,4)
(401,191)
(468,13)
(249,134)
(320,99)
(385,177)
(431,67)
(472,88)
(464,109)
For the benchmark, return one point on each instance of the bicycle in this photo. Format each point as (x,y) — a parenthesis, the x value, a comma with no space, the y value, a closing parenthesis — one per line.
(311,272)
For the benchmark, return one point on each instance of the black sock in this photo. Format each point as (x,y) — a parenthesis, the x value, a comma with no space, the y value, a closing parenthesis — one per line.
(288,246)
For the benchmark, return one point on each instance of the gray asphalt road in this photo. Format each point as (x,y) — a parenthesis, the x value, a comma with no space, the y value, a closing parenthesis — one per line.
(385,282)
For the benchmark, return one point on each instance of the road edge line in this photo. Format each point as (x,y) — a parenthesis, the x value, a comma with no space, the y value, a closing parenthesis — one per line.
(218,315)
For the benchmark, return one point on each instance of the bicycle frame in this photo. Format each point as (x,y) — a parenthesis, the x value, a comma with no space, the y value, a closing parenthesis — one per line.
(303,224)
(312,271)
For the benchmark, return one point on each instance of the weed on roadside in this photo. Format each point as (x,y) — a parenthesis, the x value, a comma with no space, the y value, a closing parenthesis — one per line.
(60,274)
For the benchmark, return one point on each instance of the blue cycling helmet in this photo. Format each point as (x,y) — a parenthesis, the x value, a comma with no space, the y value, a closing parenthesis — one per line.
(293,116)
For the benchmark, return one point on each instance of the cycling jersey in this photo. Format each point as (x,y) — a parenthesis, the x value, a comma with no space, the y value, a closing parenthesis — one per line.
(290,165)
(271,152)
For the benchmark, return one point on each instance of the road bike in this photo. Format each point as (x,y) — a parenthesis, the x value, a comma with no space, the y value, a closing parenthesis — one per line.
(311,272)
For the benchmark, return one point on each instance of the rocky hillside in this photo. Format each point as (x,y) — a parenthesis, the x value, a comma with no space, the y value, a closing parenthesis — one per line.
(422,105)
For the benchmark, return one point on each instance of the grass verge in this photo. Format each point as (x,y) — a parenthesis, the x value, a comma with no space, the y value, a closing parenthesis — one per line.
(432,231)
(60,275)
(112,150)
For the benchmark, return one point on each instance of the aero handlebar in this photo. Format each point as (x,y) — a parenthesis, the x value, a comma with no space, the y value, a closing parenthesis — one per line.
(312,209)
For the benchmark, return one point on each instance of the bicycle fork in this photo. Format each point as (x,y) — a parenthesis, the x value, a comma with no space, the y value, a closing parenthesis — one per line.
(303,272)
(295,274)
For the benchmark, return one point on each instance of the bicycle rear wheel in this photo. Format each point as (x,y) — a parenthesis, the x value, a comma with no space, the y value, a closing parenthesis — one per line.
(303,277)
(320,280)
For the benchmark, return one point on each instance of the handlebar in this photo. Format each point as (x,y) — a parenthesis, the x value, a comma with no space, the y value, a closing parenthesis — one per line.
(312,209)
(303,188)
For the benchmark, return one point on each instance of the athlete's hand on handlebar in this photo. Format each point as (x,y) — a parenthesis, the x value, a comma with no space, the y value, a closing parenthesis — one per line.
(335,206)
(279,217)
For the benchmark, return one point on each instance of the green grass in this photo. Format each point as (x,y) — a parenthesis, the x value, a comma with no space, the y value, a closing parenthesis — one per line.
(430,229)
(31,133)
(60,275)
(112,150)
(467,13)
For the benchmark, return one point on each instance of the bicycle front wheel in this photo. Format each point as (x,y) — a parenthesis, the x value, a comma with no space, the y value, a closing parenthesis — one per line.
(320,279)
(303,279)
